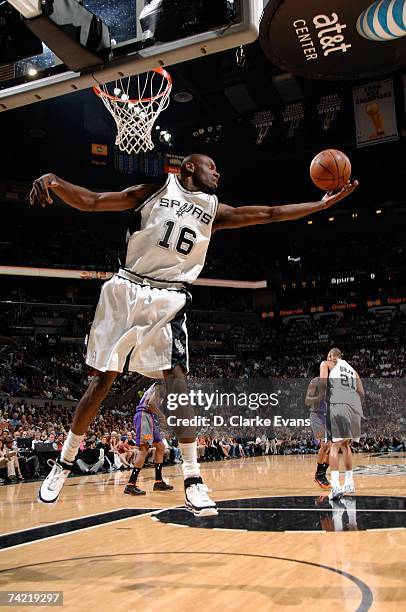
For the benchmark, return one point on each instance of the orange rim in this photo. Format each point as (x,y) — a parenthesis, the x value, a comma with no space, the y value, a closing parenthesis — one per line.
(99,92)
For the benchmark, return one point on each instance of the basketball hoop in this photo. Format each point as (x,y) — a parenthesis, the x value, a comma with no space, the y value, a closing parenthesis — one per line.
(135,103)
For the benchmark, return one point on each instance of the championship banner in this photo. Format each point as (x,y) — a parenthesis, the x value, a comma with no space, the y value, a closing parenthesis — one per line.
(292,119)
(262,121)
(328,113)
(329,107)
(375,114)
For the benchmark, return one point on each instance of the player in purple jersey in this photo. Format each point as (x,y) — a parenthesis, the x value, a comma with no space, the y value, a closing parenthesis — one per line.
(318,411)
(146,434)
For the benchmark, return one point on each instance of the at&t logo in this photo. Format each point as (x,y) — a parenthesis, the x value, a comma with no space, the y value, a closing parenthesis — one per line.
(329,31)
(383,20)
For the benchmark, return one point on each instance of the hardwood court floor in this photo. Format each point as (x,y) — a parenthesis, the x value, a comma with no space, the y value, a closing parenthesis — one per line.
(277,546)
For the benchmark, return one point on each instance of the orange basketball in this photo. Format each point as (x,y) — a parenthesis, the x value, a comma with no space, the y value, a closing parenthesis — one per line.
(330,170)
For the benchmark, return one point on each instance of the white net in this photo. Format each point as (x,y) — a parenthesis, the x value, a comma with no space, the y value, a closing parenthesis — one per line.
(135,103)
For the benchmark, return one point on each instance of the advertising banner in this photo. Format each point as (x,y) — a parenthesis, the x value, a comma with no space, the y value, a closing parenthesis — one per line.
(328,39)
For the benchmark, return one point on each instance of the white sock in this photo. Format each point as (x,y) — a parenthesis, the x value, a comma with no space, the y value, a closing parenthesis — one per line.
(349,480)
(70,447)
(190,467)
(335,478)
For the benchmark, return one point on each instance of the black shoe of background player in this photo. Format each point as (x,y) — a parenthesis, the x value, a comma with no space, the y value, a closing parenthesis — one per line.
(133,490)
(161,485)
(321,480)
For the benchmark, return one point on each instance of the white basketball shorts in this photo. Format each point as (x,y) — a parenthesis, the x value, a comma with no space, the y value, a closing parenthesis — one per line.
(143,322)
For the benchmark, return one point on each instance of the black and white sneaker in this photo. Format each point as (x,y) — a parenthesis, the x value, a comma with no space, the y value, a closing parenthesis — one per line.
(161,485)
(134,490)
(53,483)
(196,498)
(336,494)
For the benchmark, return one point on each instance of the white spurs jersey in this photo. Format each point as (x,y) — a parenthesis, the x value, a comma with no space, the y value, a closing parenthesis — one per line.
(175,231)
(343,385)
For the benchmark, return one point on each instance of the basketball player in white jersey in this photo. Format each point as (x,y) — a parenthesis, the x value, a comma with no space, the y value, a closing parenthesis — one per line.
(141,310)
(344,393)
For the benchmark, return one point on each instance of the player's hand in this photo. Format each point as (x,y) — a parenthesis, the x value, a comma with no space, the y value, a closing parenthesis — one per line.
(331,198)
(40,189)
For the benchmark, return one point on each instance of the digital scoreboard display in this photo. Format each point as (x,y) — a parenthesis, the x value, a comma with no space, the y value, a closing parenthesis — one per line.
(147,164)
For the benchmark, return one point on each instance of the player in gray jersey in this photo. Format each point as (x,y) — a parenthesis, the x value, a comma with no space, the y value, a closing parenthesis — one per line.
(141,310)
(342,388)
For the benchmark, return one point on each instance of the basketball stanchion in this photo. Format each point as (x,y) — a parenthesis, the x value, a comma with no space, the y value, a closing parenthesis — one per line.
(135,103)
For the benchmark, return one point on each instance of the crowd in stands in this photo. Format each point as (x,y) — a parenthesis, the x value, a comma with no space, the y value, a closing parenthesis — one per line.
(376,363)
(50,376)
(65,376)
(374,344)
(55,372)
(31,434)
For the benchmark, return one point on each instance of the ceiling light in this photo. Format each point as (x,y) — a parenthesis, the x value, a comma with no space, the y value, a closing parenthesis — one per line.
(183,97)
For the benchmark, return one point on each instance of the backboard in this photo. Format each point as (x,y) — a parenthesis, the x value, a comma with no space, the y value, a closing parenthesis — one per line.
(44,76)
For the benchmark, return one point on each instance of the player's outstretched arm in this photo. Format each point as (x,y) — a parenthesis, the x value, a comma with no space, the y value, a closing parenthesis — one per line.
(85,199)
(228,217)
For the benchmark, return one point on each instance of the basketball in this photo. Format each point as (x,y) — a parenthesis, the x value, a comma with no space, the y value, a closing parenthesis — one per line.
(330,170)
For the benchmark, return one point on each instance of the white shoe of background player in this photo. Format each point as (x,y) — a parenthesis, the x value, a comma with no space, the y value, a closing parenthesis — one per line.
(336,493)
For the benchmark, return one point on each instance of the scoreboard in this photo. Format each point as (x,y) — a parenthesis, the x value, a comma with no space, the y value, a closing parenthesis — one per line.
(148,164)
(152,164)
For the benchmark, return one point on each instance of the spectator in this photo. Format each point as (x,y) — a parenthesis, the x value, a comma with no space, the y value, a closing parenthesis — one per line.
(131,448)
(119,457)
(108,454)
(4,459)
(52,441)
(91,458)
(13,464)
(15,421)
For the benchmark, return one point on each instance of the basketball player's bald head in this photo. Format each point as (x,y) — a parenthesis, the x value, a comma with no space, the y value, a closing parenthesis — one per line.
(334,354)
(199,173)
(195,159)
